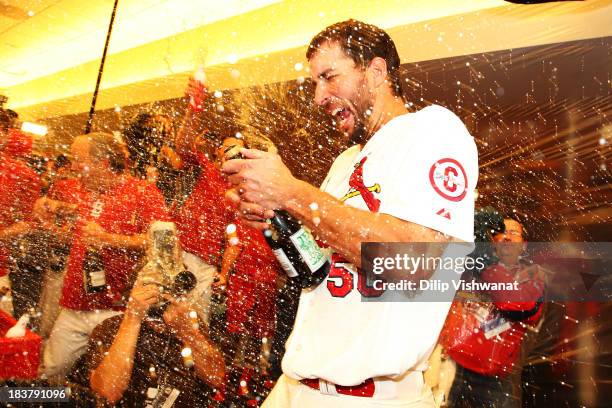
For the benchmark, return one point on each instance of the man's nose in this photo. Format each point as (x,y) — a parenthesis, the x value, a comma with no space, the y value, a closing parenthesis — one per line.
(321,96)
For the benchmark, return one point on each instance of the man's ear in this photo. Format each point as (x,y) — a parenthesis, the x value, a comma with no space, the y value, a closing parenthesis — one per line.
(378,71)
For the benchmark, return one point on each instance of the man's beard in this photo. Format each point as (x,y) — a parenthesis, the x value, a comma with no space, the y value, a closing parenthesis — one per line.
(360,134)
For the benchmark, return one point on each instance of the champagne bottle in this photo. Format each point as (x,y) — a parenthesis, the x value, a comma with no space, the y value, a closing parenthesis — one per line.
(294,247)
(94,278)
(296,250)
(164,253)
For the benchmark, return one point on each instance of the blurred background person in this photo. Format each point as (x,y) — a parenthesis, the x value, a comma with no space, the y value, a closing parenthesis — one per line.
(248,275)
(487,339)
(63,186)
(149,138)
(113,212)
(136,360)
(19,189)
(245,271)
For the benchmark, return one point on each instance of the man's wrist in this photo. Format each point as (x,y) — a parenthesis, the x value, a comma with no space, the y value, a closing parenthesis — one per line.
(134,316)
(292,201)
(298,202)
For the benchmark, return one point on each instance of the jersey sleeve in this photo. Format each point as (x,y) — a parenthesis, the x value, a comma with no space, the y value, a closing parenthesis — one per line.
(431,181)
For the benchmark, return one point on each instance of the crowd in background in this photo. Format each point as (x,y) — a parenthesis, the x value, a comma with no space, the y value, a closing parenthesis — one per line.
(74,242)
(74,239)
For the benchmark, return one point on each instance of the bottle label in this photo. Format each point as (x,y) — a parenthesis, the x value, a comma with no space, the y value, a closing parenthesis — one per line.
(285,263)
(308,248)
(97,278)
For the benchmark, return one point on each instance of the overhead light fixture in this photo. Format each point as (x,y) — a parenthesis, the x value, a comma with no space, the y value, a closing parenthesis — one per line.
(34,128)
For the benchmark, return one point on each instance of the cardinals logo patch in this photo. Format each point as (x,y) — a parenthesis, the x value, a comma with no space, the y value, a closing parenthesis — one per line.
(358,187)
(448,178)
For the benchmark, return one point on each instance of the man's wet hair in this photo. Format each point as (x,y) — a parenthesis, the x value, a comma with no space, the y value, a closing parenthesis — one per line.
(144,137)
(362,43)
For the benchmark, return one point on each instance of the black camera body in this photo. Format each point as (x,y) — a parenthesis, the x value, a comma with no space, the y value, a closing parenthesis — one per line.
(183,283)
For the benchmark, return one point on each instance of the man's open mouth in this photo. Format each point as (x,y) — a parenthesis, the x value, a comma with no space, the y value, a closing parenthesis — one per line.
(342,117)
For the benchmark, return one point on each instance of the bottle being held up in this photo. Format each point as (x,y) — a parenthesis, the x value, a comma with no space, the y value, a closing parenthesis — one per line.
(296,250)
(293,245)
(94,277)
(196,99)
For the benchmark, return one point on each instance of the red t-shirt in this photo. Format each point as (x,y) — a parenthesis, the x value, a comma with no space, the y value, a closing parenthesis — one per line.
(69,190)
(202,220)
(126,209)
(256,259)
(526,298)
(19,190)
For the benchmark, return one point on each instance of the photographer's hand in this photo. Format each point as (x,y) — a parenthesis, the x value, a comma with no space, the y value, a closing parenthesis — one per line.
(141,299)
(111,378)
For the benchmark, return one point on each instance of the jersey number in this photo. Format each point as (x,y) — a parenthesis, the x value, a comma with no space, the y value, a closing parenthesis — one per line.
(340,281)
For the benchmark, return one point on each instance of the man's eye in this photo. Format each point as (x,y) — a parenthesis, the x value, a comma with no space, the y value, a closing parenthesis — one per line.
(328,77)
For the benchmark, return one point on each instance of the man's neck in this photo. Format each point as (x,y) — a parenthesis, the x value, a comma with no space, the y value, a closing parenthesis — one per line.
(509,262)
(386,107)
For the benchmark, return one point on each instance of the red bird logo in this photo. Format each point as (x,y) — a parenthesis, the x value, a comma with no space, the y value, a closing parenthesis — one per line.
(359,188)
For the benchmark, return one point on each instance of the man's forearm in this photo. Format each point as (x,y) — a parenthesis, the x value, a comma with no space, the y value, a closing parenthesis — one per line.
(112,377)
(192,126)
(136,241)
(208,361)
(344,228)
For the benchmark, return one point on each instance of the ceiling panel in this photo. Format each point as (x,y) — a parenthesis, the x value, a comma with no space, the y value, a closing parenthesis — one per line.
(135,73)
(13,12)
(72,32)
(90,11)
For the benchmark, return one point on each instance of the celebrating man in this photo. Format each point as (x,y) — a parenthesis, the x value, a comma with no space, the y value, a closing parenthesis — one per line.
(409,177)
(114,211)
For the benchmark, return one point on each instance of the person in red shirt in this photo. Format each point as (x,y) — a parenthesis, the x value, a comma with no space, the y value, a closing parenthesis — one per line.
(19,190)
(524,303)
(490,362)
(113,212)
(246,267)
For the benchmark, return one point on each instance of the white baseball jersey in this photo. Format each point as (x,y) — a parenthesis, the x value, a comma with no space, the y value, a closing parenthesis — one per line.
(420,167)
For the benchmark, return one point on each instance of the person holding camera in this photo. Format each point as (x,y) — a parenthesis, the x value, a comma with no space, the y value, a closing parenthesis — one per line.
(138,359)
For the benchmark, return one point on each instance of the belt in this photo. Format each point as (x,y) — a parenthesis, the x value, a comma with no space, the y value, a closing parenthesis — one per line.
(365,389)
